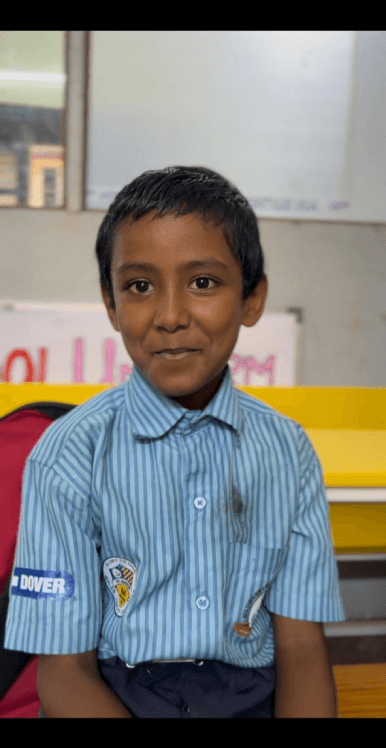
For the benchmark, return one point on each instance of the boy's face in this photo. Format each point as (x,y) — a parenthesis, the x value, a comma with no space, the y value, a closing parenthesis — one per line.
(167,306)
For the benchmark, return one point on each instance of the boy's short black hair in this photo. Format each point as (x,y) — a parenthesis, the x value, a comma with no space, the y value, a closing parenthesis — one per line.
(182,190)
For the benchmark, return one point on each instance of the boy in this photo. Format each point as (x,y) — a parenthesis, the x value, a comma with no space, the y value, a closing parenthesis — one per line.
(174,554)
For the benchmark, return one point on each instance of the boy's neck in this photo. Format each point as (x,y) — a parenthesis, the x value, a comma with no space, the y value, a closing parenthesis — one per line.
(200,399)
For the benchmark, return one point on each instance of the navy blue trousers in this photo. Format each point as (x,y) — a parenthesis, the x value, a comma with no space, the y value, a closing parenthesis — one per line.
(178,690)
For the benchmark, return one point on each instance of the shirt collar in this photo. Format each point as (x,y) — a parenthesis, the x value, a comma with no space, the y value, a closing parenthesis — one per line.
(152,414)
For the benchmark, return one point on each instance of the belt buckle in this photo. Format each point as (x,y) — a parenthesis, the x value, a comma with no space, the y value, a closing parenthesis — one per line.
(161,661)
(195,661)
(177,660)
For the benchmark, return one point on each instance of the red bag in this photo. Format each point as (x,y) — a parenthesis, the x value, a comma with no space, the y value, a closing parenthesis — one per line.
(19,432)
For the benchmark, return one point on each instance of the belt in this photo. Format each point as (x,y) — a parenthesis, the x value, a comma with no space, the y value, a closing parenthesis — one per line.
(151,662)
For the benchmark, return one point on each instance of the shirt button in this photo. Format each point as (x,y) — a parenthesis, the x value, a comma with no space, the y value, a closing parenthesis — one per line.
(202,602)
(199,503)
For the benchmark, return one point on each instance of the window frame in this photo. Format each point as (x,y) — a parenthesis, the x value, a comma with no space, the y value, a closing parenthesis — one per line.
(75,125)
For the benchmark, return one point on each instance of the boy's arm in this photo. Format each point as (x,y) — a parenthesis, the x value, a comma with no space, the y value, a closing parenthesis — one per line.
(71,686)
(305,685)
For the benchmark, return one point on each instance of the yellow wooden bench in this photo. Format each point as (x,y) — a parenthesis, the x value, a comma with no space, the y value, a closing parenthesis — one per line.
(347,426)
(361,690)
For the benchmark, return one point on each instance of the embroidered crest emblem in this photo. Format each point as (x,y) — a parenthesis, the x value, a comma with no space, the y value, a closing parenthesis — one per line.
(120,575)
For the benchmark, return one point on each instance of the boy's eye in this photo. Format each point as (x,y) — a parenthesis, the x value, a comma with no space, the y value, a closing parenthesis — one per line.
(146,283)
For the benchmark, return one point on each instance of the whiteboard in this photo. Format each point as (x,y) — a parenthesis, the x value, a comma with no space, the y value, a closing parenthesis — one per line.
(295,119)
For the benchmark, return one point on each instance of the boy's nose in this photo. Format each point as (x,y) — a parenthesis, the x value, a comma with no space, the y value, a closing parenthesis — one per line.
(172,311)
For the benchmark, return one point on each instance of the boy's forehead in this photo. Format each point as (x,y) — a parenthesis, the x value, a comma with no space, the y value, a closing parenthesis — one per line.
(152,229)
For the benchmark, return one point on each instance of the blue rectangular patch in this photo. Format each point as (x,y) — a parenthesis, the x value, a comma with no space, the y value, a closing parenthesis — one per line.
(42,584)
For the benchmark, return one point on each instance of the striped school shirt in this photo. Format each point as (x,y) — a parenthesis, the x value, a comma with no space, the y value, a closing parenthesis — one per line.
(148,531)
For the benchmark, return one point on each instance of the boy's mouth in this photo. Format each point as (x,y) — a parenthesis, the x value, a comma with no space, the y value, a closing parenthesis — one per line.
(176,352)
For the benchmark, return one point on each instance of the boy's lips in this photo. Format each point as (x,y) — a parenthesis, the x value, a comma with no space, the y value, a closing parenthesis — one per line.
(177,353)
(176,350)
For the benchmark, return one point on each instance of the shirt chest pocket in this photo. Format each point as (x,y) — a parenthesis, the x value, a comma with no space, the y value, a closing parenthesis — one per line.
(250,571)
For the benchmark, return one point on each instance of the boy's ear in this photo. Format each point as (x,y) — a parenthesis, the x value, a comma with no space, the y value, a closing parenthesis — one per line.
(255,303)
(111,311)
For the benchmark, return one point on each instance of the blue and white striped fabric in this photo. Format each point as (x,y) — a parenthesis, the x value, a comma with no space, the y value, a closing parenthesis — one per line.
(148,530)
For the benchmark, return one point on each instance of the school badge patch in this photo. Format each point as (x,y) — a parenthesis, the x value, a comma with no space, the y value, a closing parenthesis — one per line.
(120,575)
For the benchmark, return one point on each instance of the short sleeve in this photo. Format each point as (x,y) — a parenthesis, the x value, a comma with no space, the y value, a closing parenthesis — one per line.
(307,585)
(55,597)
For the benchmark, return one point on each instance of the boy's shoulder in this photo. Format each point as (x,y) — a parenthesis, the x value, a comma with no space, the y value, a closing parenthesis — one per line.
(279,429)
(80,427)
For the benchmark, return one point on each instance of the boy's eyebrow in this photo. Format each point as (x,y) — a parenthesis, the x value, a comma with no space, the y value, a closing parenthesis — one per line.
(210,262)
